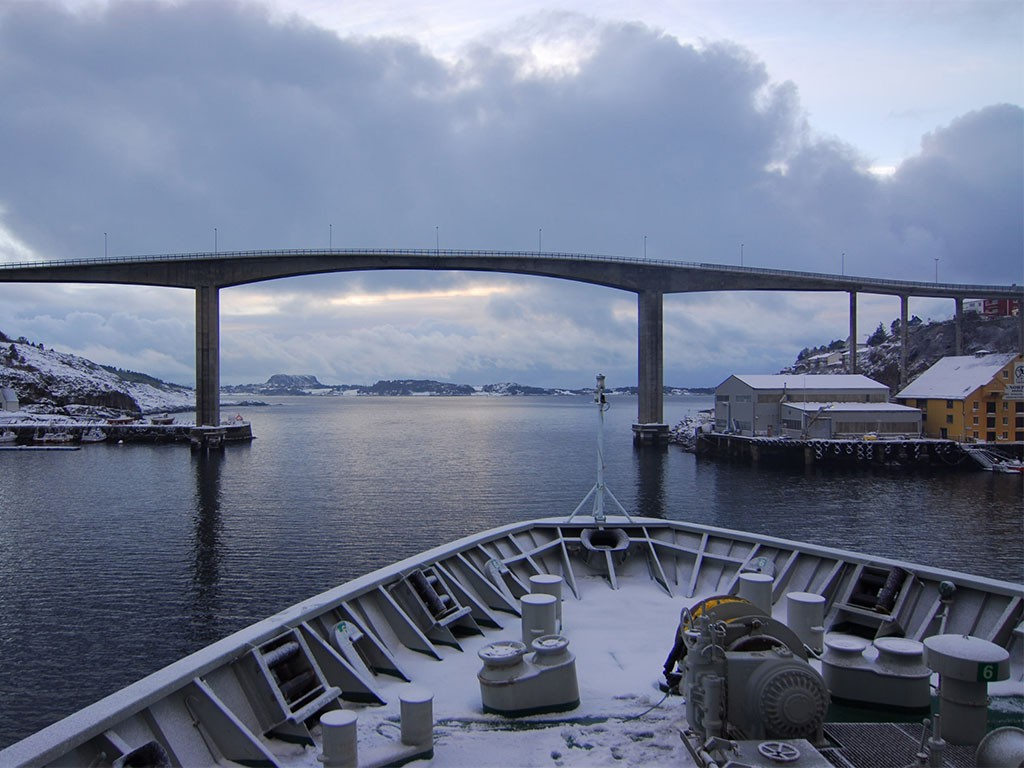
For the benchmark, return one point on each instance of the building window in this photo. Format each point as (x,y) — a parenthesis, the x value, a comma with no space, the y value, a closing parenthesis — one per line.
(1005,435)
(1019,407)
(990,437)
(1006,374)
(949,403)
(975,421)
(949,418)
(990,407)
(990,422)
(1019,437)
(1006,421)
(974,405)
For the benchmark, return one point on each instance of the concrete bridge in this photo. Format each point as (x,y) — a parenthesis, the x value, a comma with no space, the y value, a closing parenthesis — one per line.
(650,280)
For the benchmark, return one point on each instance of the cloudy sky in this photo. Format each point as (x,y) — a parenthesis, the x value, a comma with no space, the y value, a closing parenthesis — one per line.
(875,138)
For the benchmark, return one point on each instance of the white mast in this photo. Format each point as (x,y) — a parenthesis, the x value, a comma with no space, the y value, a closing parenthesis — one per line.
(600,489)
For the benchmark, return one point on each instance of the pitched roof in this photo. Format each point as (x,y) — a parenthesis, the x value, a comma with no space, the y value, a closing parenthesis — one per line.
(840,407)
(954,378)
(809,381)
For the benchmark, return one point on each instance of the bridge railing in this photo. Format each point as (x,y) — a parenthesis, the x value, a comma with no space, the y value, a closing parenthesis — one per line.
(843,282)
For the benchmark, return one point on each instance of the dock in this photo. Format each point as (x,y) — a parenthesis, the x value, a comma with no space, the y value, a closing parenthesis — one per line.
(142,431)
(890,453)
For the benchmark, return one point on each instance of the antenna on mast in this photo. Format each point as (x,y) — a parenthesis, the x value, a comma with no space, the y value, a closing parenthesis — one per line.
(599,490)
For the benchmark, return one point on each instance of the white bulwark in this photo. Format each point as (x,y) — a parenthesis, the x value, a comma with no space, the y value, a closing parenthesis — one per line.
(752,404)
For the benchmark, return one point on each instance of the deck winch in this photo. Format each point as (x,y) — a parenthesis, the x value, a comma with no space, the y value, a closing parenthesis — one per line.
(514,683)
(888,671)
(746,675)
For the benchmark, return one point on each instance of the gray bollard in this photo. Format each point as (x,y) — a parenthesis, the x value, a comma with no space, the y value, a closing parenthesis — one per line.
(757,588)
(549,584)
(965,665)
(805,615)
(417,716)
(538,617)
(341,749)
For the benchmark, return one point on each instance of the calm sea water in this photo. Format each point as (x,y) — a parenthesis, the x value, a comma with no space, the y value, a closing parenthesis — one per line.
(116,560)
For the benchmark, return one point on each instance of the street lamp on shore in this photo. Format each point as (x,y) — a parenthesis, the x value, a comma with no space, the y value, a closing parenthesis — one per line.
(936,269)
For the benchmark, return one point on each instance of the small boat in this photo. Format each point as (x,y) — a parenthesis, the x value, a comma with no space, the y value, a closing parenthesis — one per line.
(7,436)
(163,419)
(54,438)
(1009,465)
(94,435)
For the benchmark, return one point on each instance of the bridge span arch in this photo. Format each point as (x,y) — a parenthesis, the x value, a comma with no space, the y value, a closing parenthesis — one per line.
(206,273)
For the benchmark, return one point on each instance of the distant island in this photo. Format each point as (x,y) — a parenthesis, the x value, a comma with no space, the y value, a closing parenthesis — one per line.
(47,381)
(307,384)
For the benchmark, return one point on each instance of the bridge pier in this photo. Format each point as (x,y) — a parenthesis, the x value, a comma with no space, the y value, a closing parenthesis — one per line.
(851,366)
(904,334)
(207,356)
(650,426)
(959,325)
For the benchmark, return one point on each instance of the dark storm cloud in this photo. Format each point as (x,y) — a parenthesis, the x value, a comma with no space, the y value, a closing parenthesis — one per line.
(157,123)
(965,194)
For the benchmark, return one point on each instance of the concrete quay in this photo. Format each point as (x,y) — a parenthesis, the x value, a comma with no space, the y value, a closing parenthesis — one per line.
(904,454)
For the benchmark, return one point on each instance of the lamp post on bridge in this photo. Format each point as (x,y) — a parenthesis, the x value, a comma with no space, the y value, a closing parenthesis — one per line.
(936,269)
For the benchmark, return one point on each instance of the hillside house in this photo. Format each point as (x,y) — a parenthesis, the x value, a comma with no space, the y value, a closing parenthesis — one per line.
(966,398)
(751,404)
(9,399)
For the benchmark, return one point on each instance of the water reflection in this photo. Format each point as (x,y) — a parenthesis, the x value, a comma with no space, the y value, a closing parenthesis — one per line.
(650,477)
(206,544)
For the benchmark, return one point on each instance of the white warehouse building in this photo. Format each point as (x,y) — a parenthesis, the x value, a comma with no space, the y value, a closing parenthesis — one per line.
(752,404)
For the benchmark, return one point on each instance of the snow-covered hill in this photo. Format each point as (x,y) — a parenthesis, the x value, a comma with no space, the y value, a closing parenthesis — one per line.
(926,344)
(47,381)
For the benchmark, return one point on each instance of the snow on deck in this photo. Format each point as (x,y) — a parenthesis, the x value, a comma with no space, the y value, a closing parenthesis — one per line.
(620,639)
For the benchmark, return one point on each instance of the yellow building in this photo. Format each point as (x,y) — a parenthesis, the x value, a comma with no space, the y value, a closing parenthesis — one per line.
(966,398)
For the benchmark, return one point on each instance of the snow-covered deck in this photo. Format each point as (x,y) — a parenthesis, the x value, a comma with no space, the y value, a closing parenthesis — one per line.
(232,702)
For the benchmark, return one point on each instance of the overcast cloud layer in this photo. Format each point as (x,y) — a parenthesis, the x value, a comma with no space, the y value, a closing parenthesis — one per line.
(158,124)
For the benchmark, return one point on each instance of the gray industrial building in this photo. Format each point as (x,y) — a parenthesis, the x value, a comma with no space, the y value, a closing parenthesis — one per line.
(751,404)
(833,420)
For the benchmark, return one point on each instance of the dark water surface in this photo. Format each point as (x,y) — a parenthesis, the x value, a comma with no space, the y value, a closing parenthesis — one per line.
(116,560)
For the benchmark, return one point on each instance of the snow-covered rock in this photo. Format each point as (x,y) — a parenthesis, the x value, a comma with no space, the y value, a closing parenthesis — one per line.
(48,381)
